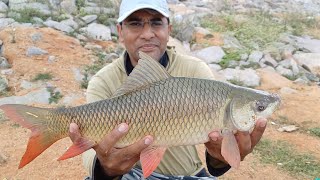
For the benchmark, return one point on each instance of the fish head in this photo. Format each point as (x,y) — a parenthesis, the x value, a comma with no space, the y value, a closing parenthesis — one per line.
(248,105)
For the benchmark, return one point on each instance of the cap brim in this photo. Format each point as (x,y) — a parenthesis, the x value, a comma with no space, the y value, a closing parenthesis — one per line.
(125,15)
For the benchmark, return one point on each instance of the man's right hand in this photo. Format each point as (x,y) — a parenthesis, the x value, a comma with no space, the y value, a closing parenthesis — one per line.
(115,161)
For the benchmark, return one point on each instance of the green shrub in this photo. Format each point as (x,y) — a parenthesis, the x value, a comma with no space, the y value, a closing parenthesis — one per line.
(300,164)
(43,77)
(55,96)
(315,131)
(28,13)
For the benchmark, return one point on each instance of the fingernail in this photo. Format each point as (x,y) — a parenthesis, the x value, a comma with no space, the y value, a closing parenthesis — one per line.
(147,141)
(72,128)
(123,127)
(214,136)
(263,123)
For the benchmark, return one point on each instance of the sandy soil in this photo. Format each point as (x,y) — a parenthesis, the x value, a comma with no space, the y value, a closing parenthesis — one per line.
(300,108)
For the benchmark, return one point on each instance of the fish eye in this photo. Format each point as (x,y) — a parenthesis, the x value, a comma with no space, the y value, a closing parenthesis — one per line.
(261,108)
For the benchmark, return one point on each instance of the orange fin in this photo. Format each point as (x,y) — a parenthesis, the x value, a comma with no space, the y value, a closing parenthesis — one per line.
(77,148)
(230,149)
(36,120)
(150,159)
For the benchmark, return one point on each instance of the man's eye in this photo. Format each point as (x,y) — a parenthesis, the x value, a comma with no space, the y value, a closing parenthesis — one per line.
(156,23)
(135,24)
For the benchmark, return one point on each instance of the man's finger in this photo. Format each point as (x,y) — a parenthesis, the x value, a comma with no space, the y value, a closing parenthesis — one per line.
(134,150)
(74,132)
(112,138)
(258,131)
(244,143)
(215,138)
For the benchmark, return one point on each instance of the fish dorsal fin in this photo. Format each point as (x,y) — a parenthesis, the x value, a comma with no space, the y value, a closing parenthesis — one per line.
(146,72)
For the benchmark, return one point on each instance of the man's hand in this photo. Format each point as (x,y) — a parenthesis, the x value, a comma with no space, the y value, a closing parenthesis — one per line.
(246,141)
(115,161)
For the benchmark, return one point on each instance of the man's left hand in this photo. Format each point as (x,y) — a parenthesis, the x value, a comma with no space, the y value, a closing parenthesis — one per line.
(246,141)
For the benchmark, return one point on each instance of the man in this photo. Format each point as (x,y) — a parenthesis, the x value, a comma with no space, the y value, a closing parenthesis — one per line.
(144,26)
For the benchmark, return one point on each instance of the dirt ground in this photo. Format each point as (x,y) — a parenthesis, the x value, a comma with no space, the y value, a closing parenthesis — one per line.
(301,108)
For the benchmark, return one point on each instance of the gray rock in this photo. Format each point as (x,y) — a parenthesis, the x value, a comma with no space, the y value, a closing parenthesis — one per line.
(29,85)
(287,51)
(248,77)
(36,36)
(81,37)
(5,1)
(230,42)
(302,81)
(289,128)
(312,45)
(213,54)
(51,59)
(286,63)
(202,31)
(14,15)
(22,4)
(34,51)
(244,57)
(284,71)
(268,60)
(288,90)
(4,64)
(3,158)
(255,56)
(89,18)
(99,32)
(77,75)
(70,23)
(3,15)
(215,67)
(233,64)
(269,68)
(37,20)
(290,64)
(58,26)
(110,57)
(40,96)
(93,47)
(311,60)
(3,7)
(7,72)
(185,33)
(69,6)
(4,22)
(3,84)
(55,4)
(98,10)
(311,77)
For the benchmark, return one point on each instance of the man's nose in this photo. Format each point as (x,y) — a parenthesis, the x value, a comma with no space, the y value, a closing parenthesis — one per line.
(147,31)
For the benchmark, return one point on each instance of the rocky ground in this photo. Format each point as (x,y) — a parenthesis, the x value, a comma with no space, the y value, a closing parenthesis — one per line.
(71,50)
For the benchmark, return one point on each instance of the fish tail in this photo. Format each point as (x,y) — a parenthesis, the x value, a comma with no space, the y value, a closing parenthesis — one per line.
(36,120)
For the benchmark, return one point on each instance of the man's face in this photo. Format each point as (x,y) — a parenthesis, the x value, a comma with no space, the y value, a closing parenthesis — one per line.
(146,32)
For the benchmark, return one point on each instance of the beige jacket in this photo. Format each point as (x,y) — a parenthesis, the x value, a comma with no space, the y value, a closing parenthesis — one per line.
(182,160)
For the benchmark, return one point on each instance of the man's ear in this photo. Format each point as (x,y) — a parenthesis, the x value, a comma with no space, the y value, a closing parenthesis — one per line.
(119,29)
(169,31)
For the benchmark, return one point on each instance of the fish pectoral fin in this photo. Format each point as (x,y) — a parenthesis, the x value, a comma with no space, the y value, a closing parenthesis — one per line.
(77,148)
(230,150)
(150,159)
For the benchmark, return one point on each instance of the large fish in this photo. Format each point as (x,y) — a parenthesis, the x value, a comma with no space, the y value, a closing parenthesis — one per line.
(176,111)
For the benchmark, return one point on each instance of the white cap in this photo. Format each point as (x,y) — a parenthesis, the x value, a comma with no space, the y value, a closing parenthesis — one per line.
(128,7)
